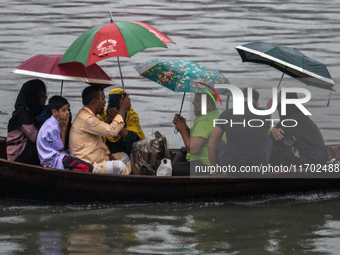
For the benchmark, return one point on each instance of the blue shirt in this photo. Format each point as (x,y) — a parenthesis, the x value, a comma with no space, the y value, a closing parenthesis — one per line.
(49,143)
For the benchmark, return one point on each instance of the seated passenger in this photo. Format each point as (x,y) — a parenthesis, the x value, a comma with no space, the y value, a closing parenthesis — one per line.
(87,135)
(302,144)
(23,127)
(245,144)
(195,152)
(52,136)
(130,133)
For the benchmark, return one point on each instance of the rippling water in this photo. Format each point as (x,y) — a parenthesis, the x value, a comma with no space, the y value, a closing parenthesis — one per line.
(207,32)
(307,223)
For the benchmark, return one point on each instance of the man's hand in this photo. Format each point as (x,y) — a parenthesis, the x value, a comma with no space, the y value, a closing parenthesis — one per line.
(112,113)
(125,103)
(180,123)
(277,133)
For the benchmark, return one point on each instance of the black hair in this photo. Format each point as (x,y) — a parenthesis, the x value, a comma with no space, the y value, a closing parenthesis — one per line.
(56,102)
(90,93)
(256,94)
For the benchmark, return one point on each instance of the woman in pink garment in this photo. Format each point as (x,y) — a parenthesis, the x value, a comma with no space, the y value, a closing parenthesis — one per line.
(23,127)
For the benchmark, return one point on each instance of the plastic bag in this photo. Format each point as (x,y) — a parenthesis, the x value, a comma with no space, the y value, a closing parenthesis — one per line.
(165,168)
(146,155)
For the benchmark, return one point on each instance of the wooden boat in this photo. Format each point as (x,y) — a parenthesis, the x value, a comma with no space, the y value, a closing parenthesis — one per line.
(23,181)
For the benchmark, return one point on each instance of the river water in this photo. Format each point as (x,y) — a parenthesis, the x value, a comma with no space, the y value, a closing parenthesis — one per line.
(205,31)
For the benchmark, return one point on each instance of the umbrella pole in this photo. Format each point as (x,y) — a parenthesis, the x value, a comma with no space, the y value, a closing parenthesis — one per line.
(121,75)
(284,71)
(180,111)
(61,89)
(329,99)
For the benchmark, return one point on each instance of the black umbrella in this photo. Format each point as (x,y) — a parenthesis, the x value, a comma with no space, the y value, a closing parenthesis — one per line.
(290,61)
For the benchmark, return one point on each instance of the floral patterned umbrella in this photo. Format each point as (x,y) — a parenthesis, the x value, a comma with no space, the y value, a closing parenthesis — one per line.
(182,75)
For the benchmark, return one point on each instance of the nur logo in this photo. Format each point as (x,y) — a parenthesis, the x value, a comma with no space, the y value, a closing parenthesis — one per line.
(238,100)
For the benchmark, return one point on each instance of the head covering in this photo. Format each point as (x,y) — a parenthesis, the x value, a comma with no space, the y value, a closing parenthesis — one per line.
(131,117)
(28,104)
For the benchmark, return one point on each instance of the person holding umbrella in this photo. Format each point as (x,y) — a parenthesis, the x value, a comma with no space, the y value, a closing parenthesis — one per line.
(301,144)
(196,139)
(130,133)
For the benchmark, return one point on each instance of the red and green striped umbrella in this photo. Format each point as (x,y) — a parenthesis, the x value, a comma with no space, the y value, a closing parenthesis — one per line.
(116,39)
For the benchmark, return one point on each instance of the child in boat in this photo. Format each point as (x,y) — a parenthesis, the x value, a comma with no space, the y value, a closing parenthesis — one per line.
(51,139)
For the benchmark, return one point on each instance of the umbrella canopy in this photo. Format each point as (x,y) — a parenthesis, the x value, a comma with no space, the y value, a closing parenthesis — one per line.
(183,76)
(46,66)
(114,40)
(288,60)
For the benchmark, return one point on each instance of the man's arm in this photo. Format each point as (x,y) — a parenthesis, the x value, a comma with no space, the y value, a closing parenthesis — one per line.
(97,127)
(196,145)
(181,126)
(112,113)
(215,138)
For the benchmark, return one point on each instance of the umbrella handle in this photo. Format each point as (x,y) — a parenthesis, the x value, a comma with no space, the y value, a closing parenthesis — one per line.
(176,131)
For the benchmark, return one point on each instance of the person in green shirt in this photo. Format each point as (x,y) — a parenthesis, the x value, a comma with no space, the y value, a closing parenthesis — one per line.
(196,139)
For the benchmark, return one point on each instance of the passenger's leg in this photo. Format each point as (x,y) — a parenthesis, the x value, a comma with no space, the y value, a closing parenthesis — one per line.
(125,159)
(77,165)
(110,167)
(180,156)
(181,169)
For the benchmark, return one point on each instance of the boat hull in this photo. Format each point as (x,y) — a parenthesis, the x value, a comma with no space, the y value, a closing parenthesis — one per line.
(28,182)
(21,181)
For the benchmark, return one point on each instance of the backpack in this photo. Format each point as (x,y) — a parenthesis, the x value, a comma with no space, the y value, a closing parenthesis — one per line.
(146,155)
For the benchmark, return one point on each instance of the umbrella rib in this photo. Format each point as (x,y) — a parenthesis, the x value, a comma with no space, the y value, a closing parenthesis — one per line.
(255,52)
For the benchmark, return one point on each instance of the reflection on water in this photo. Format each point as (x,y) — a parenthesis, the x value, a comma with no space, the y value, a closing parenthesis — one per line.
(205,31)
(288,224)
